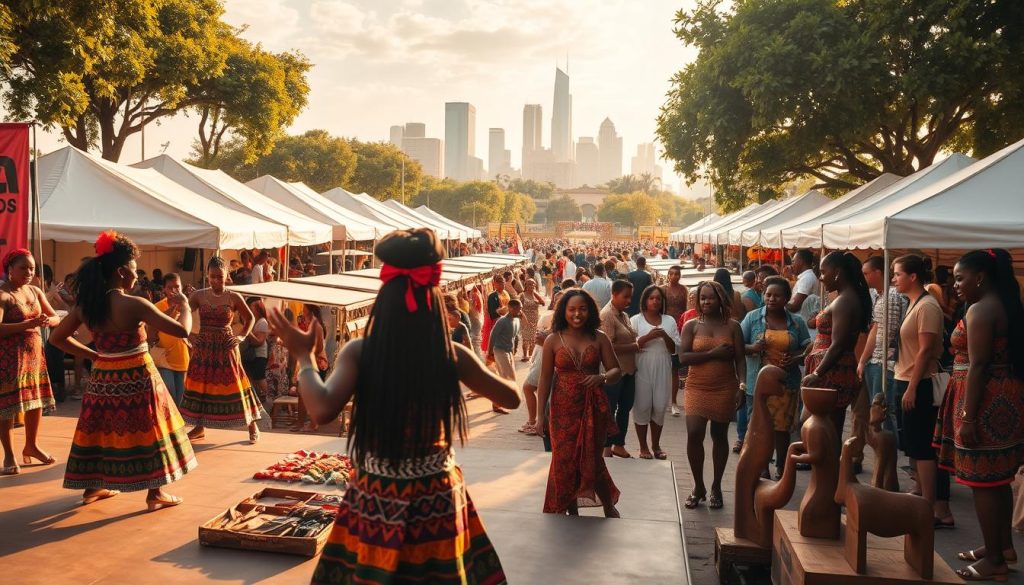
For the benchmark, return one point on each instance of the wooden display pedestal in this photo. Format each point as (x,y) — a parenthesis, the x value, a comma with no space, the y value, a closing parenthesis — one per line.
(731,551)
(797,560)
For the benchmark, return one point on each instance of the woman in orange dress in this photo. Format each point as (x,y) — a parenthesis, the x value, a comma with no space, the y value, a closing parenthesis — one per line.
(979,433)
(580,418)
(712,347)
(24,382)
(217,392)
(130,436)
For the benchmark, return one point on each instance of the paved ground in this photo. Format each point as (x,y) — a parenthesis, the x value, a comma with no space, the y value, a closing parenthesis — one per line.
(499,431)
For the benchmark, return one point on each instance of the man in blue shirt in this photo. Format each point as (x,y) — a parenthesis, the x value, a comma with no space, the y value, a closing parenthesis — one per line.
(640,279)
(599,287)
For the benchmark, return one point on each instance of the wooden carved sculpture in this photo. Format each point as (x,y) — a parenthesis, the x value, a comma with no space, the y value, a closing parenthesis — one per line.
(819,513)
(883,443)
(886,514)
(758,498)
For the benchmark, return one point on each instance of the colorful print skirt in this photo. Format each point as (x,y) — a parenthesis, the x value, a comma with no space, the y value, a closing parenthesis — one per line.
(218,394)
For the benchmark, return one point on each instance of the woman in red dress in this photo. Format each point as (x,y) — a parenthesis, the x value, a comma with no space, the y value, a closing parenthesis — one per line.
(978,432)
(24,383)
(580,417)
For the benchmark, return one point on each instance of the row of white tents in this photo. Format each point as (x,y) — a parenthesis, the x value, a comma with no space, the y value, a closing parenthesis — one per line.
(958,203)
(163,201)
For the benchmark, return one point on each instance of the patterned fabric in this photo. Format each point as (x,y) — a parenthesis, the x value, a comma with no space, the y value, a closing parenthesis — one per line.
(781,409)
(580,421)
(414,523)
(842,376)
(711,387)
(898,305)
(1000,449)
(528,320)
(278,382)
(217,392)
(24,382)
(129,436)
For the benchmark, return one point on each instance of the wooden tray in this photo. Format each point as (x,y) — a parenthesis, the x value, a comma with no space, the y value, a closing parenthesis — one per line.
(307,546)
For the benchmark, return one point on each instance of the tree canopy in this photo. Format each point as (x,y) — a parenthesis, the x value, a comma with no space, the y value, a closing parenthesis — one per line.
(315,158)
(631,209)
(378,172)
(476,202)
(841,91)
(535,189)
(563,208)
(101,70)
(644,182)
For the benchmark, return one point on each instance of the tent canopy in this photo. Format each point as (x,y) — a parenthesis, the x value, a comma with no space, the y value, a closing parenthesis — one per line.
(348,201)
(381,210)
(219,187)
(346,224)
(436,225)
(703,234)
(748,233)
(81,195)
(306,293)
(706,220)
(428,212)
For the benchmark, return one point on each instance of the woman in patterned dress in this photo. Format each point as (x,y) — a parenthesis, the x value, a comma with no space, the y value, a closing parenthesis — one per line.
(217,391)
(832,362)
(130,436)
(532,302)
(979,433)
(403,378)
(580,418)
(24,382)
(712,346)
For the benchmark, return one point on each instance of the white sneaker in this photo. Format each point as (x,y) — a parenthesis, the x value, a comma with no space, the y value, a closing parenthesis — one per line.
(675,410)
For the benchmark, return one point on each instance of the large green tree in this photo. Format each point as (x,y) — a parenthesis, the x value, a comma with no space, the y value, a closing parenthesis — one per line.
(378,172)
(535,189)
(841,91)
(315,158)
(644,182)
(258,94)
(563,208)
(631,209)
(518,207)
(471,203)
(101,69)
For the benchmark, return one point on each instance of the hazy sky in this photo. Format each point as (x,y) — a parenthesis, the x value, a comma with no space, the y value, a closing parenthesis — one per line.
(384,62)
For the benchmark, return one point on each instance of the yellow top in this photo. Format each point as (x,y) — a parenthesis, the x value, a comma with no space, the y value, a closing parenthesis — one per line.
(177,350)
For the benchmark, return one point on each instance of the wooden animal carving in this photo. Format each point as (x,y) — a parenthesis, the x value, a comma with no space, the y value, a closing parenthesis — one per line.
(758,498)
(885,514)
(883,443)
(819,513)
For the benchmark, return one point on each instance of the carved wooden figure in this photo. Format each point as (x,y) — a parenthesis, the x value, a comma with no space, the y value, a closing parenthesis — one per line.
(885,514)
(883,443)
(819,513)
(758,498)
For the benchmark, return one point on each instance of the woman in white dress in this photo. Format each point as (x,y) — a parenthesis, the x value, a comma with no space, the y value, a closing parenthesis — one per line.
(658,337)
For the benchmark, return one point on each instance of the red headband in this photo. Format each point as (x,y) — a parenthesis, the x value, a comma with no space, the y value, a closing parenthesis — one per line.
(420,276)
(13,255)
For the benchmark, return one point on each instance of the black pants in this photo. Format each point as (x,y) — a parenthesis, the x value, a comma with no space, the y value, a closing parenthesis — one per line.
(917,427)
(55,370)
(620,400)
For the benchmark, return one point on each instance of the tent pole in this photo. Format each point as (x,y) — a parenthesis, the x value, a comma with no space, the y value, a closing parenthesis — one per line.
(330,256)
(37,227)
(885,318)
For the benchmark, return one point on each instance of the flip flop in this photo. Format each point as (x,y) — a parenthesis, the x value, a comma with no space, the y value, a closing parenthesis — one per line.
(972,574)
(102,495)
(715,502)
(692,501)
(646,455)
(626,456)
(12,470)
(972,556)
(659,454)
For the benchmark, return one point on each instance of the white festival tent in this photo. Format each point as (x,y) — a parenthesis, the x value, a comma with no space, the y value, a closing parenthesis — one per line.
(346,224)
(706,220)
(82,195)
(357,204)
(438,226)
(690,234)
(219,187)
(771,236)
(704,235)
(382,210)
(834,227)
(428,212)
(746,233)
(980,206)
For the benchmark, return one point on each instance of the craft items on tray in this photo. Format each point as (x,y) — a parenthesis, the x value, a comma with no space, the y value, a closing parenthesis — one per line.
(310,467)
(275,520)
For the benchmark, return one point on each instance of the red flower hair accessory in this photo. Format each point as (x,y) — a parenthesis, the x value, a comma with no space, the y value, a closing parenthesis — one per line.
(991,252)
(105,243)
(13,255)
(429,275)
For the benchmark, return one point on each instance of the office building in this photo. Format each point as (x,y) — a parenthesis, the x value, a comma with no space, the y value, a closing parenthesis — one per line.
(645,161)
(561,118)
(429,152)
(415,130)
(610,145)
(397,134)
(532,132)
(588,162)
(459,140)
(499,159)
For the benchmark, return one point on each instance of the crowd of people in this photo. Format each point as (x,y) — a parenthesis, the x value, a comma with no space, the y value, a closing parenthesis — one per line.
(605,339)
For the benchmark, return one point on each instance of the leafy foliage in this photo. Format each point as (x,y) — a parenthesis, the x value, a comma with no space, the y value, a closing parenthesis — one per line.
(645,182)
(841,91)
(563,208)
(631,209)
(476,202)
(378,172)
(535,189)
(315,158)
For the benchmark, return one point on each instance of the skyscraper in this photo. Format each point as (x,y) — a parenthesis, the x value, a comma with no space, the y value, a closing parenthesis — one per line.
(561,118)
(645,161)
(532,132)
(588,162)
(428,151)
(610,145)
(459,140)
(415,130)
(499,159)
(397,133)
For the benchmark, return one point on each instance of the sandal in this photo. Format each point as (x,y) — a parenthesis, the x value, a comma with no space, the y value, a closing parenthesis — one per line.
(715,501)
(623,453)
(737,446)
(158,504)
(97,496)
(692,501)
(646,455)
(972,574)
(528,427)
(1009,555)
(254,435)
(659,454)
(42,457)
(11,470)
(498,410)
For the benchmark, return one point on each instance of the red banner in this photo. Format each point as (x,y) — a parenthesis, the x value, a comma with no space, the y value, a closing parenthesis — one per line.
(14,187)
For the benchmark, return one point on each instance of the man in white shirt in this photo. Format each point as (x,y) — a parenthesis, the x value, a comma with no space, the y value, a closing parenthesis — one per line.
(806,281)
(570,266)
(599,287)
(259,268)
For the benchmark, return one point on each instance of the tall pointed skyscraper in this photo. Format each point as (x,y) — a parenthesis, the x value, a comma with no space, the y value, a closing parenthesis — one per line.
(610,145)
(561,119)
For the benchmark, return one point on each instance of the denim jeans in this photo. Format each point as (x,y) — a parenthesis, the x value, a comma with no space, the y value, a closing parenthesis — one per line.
(175,382)
(620,401)
(873,381)
(743,417)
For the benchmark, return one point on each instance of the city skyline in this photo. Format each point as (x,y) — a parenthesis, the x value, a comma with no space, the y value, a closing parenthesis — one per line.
(401,60)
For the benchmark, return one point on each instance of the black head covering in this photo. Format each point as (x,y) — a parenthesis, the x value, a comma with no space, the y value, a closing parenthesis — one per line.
(410,248)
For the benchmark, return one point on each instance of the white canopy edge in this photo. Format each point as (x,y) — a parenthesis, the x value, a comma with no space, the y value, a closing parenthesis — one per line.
(346,224)
(438,226)
(471,232)
(749,233)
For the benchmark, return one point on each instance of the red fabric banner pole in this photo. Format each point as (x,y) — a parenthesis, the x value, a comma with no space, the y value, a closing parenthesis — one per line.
(14,187)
